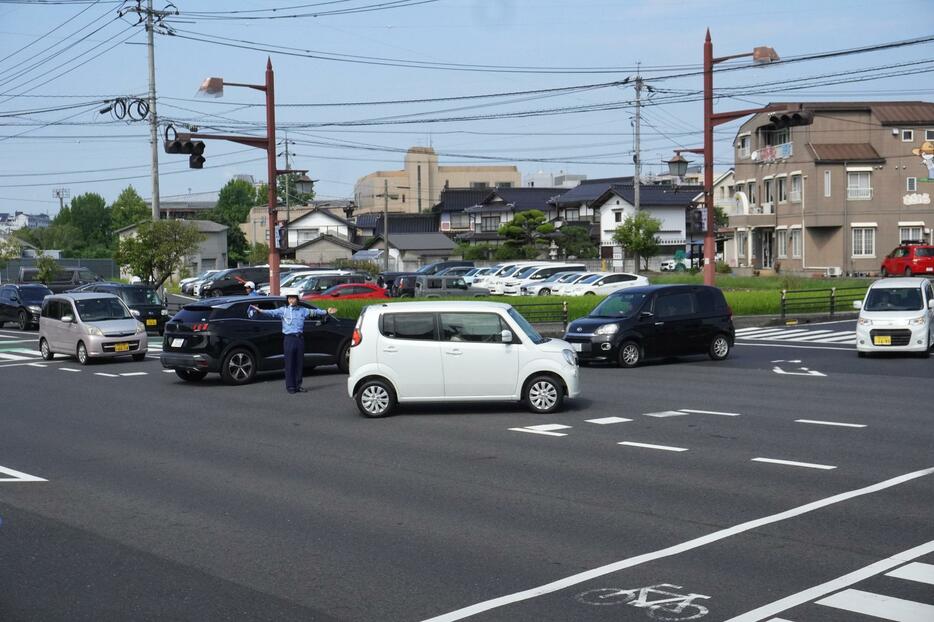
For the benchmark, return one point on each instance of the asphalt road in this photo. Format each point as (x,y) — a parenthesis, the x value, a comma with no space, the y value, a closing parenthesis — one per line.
(786,497)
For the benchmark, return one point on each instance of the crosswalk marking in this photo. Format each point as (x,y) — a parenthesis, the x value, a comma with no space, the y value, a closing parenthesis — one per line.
(842,337)
(601,421)
(6,356)
(880,606)
(915,571)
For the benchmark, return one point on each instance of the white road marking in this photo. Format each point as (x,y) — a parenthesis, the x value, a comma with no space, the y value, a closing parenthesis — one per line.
(915,571)
(762,333)
(18,476)
(135,373)
(836,423)
(31,351)
(879,606)
(106,375)
(168,371)
(14,340)
(809,465)
(648,446)
(815,335)
(665,413)
(13,357)
(547,427)
(608,420)
(788,334)
(528,431)
(589,575)
(36,364)
(779,620)
(709,412)
(68,369)
(785,345)
(805,372)
(838,338)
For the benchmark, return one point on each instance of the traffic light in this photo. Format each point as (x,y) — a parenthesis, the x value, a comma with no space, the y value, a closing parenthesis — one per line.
(785,119)
(182,143)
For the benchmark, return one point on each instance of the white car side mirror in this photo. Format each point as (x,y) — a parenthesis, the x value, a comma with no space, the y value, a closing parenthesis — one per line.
(857,304)
(931,303)
(506,336)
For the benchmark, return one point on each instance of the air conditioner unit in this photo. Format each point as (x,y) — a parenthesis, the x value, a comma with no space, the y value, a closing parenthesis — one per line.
(894,131)
(833,271)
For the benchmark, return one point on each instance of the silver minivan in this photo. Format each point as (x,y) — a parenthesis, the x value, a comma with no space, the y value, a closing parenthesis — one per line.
(89,326)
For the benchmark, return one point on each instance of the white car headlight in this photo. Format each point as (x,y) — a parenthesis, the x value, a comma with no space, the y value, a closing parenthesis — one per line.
(864,321)
(94,330)
(140,327)
(134,312)
(35,308)
(165,312)
(569,357)
(607,329)
(917,321)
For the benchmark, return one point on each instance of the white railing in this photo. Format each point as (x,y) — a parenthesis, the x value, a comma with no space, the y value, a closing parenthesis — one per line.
(859,194)
(795,196)
(765,208)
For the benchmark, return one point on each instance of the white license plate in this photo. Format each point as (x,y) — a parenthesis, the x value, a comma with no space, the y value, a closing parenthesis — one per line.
(577,346)
(178,343)
(929,269)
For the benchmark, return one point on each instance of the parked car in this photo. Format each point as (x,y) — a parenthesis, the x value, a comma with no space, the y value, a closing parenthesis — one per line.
(65,278)
(485,274)
(909,260)
(897,315)
(548,286)
(455,271)
(22,304)
(562,288)
(655,321)
(496,282)
(319,282)
(230,282)
(536,273)
(218,336)
(446,287)
(88,326)
(606,283)
(349,291)
(438,266)
(455,352)
(144,303)
(188,285)
(476,273)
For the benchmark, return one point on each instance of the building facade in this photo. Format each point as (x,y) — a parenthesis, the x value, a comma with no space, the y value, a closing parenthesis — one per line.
(837,195)
(417,187)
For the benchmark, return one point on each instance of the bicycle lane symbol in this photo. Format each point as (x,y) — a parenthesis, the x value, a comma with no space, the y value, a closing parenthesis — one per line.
(659,601)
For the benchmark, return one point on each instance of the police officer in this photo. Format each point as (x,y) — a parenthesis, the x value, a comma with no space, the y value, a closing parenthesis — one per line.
(250,288)
(293,319)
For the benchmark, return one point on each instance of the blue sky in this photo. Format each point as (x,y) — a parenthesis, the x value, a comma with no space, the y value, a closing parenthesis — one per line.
(589,42)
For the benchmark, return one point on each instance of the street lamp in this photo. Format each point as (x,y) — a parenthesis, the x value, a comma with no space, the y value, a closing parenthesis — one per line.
(677,166)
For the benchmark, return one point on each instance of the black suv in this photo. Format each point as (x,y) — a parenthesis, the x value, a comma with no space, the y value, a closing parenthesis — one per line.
(65,278)
(635,324)
(219,336)
(143,300)
(22,304)
(230,282)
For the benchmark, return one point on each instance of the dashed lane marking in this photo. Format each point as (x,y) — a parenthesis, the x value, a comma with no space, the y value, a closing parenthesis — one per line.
(542,432)
(665,413)
(18,476)
(168,371)
(106,375)
(135,373)
(834,423)
(650,446)
(36,365)
(69,369)
(601,421)
(808,465)
(7,356)
(915,571)
(710,412)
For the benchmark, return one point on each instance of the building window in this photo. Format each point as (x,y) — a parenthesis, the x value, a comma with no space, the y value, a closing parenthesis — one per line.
(489,223)
(864,242)
(777,137)
(572,214)
(618,216)
(766,192)
(479,185)
(911,184)
(827,184)
(908,136)
(796,243)
(460,221)
(504,184)
(781,241)
(928,134)
(781,189)
(751,192)
(403,198)
(858,186)
(910,234)
(795,195)
(741,243)
(744,146)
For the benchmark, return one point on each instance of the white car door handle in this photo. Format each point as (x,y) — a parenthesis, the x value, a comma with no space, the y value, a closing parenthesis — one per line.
(659,323)
(454,352)
(390,349)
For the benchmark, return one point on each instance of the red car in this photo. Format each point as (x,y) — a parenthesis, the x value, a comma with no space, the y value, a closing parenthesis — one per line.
(908,260)
(349,291)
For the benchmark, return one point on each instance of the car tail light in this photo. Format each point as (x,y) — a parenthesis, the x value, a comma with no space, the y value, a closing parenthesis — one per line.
(197,328)
(357,338)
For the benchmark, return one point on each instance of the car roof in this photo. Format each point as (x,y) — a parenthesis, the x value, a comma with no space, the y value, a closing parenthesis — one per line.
(84,296)
(437,306)
(26,285)
(223,302)
(900,282)
(126,285)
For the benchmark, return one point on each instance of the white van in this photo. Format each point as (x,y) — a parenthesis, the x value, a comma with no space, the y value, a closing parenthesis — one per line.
(605,283)
(496,282)
(456,352)
(897,315)
(535,274)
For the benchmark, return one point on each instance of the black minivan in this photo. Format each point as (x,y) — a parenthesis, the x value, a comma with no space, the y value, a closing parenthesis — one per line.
(655,321)
(144,302)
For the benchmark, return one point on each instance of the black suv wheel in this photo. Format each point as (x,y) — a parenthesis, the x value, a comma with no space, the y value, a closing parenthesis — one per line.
(239,367)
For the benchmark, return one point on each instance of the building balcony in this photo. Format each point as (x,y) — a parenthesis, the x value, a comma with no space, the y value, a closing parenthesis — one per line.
(765,208)
(859,194)
(794,196)
(771,153)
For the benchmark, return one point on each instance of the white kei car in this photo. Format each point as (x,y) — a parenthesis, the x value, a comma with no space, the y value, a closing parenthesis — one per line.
(456,352)
(605,283)
(897,315)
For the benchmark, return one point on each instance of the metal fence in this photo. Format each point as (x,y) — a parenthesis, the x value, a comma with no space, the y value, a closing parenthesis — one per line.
(830,301)
(546,317)
(104,268)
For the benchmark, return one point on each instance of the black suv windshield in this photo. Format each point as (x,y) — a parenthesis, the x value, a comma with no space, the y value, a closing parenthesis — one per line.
(34,295)
(140,296)
(620,305)
(101,309)
(894,299)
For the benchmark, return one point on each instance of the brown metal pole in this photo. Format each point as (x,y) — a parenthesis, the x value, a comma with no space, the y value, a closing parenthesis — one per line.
(271,163)
(709,238)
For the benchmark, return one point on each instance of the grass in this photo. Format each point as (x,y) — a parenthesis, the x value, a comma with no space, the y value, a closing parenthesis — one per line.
(728,282)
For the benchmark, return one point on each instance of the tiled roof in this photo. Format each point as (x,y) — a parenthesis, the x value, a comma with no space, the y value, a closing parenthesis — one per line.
(588,190)
(400,223)
(416,241)
(326,212)
(458,199)
(845,152)
(516,199)
(325,237)
(652,196)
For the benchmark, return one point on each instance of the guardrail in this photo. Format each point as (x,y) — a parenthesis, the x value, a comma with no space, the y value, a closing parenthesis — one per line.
(544,312)
(831,301)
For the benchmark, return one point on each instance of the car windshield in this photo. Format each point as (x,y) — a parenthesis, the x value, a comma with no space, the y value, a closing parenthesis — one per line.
(523,323)
(525,272)
(140,296)
(590,279)
(566,278)
(621,305)
(101,309)
(509,271)
(34,295)
(472,272)
(894,299)
(429,269)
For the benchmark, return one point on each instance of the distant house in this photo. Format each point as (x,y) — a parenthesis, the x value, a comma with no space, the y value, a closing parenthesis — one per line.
(500,206)
(315,223)
(22,220)
(574,207)
(369,225)
(409,251)
(452,205)
(324,250)
(211,253)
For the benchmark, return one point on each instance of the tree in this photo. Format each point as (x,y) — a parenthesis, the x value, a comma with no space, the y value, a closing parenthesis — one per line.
(128,209)
(721,219)
(526,233)
(574,241)
(9,250)
(475,251)
(508,253)
(284,182)
(637,236)
(89,214)
(259,253)
(46,269)
(158,249)
(233,208)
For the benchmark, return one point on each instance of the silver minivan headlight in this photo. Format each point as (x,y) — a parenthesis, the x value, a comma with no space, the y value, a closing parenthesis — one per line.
(95,331)
(917,321)
(864,321)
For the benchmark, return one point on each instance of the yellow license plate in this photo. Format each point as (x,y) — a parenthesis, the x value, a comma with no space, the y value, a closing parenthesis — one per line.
(882,340)
(122,347)
(150,322)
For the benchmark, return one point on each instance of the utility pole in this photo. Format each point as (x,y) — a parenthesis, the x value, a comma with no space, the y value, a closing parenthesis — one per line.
(288,167)
(386,196)
(61,194)
(637,158)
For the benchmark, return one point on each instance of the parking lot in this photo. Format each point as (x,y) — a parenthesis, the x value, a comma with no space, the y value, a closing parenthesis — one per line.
(792,481)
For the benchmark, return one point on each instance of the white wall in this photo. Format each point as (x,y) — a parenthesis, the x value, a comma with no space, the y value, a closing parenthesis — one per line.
(316,221)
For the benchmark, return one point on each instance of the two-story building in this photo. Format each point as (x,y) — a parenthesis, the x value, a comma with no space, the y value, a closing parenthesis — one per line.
(836,195)
(500,206)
